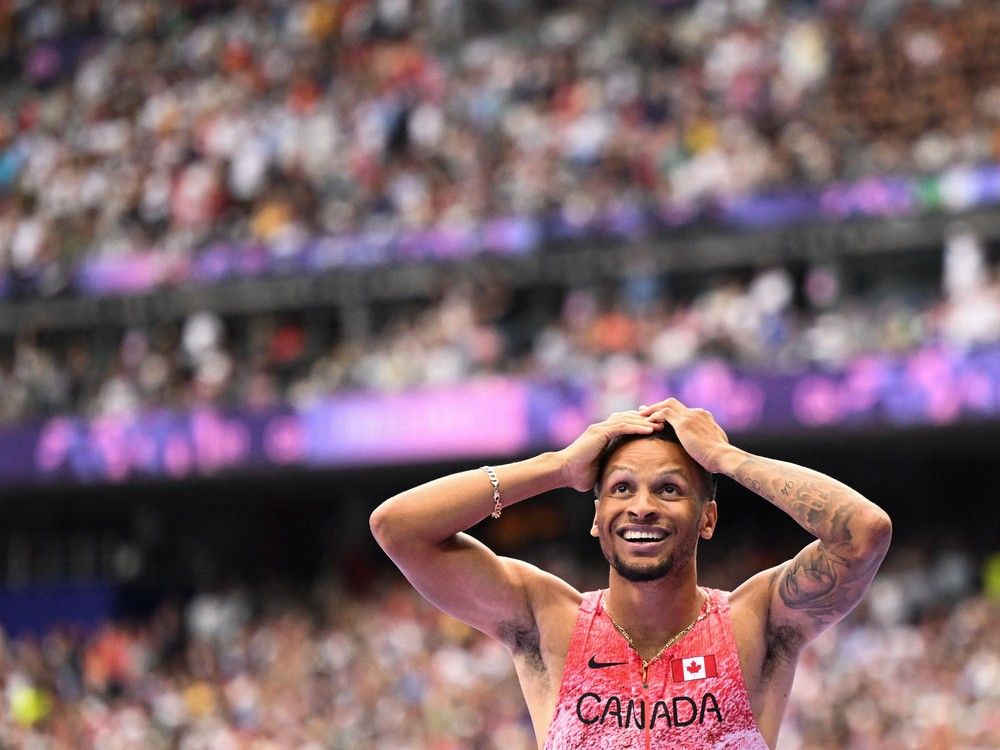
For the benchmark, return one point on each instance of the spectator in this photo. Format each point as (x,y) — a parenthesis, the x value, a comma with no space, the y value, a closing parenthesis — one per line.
(168,127)
(355,671)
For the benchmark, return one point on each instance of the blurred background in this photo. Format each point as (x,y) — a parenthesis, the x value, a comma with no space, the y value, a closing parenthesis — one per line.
(264,263)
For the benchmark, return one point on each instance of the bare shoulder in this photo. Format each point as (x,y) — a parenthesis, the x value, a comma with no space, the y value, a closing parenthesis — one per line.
(543,639)
(539,646)
(764,648)
(768,654)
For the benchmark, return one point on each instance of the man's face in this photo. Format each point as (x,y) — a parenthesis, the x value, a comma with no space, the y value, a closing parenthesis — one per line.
(649,514)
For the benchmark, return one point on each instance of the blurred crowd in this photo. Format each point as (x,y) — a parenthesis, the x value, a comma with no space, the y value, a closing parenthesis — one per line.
(172,126)
(917,667)
(772,320)
(144,125)
(169,126)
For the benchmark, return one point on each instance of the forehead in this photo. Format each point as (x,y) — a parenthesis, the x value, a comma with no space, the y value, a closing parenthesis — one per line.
(650,457)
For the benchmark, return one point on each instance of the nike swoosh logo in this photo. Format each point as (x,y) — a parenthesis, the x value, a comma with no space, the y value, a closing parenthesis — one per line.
(594,664)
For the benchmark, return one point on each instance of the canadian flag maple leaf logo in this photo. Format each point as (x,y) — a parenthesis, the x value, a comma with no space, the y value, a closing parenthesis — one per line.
(693,668)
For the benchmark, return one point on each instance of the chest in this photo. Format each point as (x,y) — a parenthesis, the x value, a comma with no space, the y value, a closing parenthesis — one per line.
(690,694)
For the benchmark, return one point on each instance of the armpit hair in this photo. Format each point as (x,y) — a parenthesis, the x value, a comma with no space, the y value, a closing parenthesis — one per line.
(781,644)
(524,641)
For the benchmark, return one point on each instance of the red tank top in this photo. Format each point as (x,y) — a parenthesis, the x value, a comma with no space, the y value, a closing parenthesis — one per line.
(694,696)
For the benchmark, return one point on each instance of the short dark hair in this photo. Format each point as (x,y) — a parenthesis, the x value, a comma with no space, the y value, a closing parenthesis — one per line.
(666,433)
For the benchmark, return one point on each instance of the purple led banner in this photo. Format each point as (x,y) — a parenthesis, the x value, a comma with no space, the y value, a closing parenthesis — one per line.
(496,417)
(486,417)
(482,418)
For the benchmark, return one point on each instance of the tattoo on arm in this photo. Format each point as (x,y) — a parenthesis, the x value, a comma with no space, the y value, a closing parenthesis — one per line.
(823,506)
(823,587)
(808,579)
(827,578)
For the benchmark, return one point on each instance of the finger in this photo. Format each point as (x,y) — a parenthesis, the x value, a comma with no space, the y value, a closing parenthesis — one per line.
(618,415)
(637,419)
(639,427)
(624,416)
(635,424)
(647,410)
(660,405)
(663,417)
(668,411)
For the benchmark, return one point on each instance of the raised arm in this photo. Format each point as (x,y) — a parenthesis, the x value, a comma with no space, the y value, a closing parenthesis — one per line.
(827,579)
(422,531)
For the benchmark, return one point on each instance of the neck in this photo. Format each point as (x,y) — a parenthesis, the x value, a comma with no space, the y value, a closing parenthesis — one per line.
(654,610)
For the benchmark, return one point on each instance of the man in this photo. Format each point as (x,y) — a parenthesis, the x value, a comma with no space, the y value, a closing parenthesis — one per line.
(655,661)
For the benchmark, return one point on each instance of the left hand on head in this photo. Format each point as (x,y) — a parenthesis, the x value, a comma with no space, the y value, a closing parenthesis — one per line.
(699,433)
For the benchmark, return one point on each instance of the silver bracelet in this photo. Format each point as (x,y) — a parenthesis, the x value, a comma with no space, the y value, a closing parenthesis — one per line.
(497,503)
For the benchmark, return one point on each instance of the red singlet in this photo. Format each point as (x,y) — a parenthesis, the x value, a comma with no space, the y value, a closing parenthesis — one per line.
(694,695)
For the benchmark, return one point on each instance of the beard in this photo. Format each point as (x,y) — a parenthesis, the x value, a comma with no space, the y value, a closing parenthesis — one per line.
(636,574)
(653,570)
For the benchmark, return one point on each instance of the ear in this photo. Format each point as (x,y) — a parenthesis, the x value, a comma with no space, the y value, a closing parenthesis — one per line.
(593,526)
(709,519)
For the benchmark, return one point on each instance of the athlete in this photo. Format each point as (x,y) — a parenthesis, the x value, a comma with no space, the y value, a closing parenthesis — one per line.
(655,660)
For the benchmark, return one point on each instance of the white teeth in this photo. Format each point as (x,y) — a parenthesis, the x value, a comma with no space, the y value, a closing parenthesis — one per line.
(643,536)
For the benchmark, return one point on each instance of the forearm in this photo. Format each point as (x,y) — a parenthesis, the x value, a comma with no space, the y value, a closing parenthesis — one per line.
(848,525)
(434,512)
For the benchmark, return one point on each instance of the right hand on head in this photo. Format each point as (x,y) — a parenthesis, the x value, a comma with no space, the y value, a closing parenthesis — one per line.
(579,458)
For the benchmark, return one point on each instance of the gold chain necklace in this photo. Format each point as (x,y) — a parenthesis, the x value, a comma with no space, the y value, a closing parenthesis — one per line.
(702,614)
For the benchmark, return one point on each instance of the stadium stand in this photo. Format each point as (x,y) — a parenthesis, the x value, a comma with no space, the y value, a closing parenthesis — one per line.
(259,207)
(771,321)
(918,669)
(171,127)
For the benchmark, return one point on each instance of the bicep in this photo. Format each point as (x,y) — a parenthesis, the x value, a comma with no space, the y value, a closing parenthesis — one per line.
(816,589)
(466,579)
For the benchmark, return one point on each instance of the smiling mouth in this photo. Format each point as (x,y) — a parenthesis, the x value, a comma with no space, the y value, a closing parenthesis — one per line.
(643,536)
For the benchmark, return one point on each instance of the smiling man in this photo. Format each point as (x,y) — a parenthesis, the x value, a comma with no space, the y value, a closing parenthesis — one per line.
(654,660)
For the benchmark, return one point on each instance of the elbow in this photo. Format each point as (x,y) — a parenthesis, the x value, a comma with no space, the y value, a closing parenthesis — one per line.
(396,531)
(381,524)
(878,533)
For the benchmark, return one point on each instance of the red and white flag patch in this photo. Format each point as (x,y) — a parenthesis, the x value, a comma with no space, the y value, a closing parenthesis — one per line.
(693,668)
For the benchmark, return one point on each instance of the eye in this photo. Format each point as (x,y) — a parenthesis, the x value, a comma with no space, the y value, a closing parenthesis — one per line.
(619,487)
(670,489)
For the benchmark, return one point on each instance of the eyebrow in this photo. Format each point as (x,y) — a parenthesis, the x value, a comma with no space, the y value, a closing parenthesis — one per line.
(669,473)
(672,472)
(619,467)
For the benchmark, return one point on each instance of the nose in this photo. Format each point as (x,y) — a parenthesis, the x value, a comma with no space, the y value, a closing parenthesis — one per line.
(642,506)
